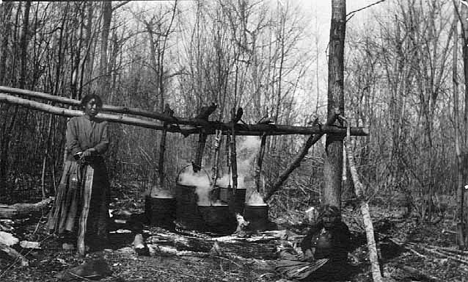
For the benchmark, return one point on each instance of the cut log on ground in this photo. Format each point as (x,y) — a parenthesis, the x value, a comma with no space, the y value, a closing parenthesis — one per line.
(8,239)
(258,247)
(23,210)
(14,254)
(140,246)
(417,274)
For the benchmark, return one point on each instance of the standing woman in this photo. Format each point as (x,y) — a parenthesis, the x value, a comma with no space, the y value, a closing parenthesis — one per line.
(82,200)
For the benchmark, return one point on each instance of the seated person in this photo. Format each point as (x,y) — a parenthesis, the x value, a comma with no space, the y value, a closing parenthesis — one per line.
(328,237)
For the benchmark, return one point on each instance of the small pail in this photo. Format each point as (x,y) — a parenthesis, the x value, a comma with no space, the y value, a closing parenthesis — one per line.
(225,194)
(257,216)
(187,213)
(218,219)
(235,201)
(160,211)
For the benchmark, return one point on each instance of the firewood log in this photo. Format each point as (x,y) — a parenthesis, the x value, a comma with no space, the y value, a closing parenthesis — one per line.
(14,254)
(23,210)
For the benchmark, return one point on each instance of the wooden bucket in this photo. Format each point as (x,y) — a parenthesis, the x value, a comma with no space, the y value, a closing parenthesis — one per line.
(218,219)
(187,214)
(235,201)
(160,211)
(257,216)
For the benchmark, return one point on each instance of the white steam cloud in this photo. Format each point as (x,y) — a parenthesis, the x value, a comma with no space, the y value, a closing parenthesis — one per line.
(157,192)
(246,151)
(200,180)
(255,199)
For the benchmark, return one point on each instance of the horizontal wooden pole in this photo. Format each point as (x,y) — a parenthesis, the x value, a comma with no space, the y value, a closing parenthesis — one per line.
(174,124)
(106,108)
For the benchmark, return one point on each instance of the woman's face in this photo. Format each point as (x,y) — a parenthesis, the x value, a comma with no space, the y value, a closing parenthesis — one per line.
(92,108)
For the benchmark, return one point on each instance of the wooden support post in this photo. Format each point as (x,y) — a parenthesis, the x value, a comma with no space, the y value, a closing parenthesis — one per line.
(87,192)
(200,150)
(258,166)
(371,244)
(233,152)
(296,161)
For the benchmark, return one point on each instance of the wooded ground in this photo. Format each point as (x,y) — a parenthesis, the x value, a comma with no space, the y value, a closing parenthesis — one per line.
(402,78)
(410,250)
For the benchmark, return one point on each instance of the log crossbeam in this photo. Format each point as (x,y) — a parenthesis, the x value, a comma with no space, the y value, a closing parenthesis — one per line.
(185,126)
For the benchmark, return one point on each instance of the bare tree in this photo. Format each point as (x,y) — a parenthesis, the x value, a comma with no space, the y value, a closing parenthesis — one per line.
(334,145)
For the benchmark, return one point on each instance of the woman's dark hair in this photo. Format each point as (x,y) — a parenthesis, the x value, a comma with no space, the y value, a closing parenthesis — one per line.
(90,97)
(330,211)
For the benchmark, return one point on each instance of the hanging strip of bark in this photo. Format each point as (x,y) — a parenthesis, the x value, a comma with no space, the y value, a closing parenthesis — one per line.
(371,244)
(192,125)
(215,168)
(162,151)
(228,156)
(296,162)
(233,152)
(258,166)
(162,146)
(200,150)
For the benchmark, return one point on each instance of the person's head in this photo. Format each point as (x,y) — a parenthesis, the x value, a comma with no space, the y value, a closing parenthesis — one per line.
(330,215)
(91,104)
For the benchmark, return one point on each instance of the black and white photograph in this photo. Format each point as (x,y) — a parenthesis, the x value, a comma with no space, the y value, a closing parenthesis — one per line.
(234,140)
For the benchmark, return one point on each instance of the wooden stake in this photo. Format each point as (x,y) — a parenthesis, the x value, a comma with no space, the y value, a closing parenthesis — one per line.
(87,191)
(371,245)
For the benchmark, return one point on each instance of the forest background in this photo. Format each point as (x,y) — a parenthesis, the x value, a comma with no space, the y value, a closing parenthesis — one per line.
(267,57)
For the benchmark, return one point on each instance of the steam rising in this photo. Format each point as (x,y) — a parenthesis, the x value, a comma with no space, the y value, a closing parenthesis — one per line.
(226,180)
(200,180)
(255,199)
(156,192)
(246,151)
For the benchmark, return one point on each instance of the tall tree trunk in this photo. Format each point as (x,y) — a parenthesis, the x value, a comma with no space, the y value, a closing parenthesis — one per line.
(5,35)
(462,226)
(5,30)
(24,45)
(88,61)
(334,144)
(7,130)
(104,80)
(456,121)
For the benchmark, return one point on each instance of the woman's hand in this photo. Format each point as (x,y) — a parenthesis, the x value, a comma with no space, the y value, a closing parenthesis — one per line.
(88,153)
(309,255)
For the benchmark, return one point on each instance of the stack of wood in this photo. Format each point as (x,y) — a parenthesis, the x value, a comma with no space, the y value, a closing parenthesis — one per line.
(7,239)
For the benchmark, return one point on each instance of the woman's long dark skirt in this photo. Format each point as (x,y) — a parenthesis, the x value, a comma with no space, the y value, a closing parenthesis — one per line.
(68,204)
